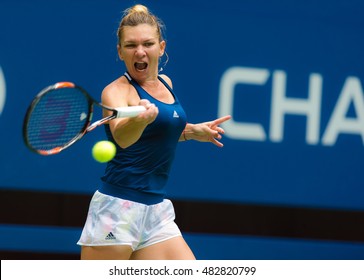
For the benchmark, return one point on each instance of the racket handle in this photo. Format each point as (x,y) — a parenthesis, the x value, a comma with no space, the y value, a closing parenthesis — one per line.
(131,111)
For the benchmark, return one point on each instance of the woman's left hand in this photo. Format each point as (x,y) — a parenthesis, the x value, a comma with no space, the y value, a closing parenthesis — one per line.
(207,131)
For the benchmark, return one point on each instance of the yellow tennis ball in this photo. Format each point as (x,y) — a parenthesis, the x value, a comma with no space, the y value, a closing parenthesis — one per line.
(103,151)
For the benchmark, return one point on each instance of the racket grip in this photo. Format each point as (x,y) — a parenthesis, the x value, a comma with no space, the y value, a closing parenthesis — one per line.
(131,111)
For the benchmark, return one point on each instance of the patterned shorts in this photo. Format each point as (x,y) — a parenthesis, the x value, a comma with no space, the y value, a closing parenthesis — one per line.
(115,221)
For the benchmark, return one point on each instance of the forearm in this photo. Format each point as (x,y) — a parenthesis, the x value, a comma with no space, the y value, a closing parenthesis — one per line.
(129,132)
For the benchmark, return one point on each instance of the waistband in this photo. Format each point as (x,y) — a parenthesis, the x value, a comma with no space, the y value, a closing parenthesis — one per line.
(131,194)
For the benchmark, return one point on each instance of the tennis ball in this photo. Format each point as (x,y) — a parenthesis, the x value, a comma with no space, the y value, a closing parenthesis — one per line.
(103,151)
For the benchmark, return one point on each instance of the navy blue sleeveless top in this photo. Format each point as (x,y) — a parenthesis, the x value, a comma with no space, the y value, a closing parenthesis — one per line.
(140,171)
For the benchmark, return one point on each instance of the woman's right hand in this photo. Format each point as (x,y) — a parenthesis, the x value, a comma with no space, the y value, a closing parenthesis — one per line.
(150,114)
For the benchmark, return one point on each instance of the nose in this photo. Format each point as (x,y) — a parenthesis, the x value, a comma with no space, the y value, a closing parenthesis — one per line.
(140,51)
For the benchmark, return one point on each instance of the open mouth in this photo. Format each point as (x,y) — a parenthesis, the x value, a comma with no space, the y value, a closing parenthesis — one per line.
(140,66)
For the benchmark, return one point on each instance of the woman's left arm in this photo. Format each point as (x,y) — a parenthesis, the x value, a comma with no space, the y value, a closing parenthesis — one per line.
(205,132)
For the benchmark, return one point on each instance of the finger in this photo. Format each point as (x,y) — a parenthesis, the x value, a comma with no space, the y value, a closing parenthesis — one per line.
(217,143)
(220,130)
(144,102)
(213,132)
(221,120)
(150,106)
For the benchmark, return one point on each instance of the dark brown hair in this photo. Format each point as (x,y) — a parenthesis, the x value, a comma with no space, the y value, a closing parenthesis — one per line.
(136,15)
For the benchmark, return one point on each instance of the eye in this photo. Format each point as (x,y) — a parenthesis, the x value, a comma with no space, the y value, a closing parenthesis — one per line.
(129,46)
(149,44)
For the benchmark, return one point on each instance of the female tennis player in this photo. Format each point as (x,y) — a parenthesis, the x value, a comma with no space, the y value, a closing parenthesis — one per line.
(129,216)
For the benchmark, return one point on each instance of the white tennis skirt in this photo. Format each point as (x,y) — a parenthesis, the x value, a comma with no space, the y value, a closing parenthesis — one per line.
(115,221)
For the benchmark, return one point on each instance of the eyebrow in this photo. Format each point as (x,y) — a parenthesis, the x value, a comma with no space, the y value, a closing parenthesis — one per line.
(143,41)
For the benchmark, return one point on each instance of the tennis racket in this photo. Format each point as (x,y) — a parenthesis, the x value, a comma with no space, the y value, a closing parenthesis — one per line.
(61,114)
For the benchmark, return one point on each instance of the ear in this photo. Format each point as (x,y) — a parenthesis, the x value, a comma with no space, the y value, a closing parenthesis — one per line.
(119,52)
(162,48)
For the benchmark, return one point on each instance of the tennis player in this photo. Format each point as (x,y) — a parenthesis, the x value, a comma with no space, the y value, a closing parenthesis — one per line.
(129,216)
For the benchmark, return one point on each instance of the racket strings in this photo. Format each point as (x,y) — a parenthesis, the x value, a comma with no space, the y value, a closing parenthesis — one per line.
(58,118)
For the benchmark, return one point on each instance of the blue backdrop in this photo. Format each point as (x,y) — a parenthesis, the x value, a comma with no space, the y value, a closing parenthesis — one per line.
(289,72)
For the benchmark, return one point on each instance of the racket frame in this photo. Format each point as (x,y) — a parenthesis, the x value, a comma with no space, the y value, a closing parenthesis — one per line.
(116,113)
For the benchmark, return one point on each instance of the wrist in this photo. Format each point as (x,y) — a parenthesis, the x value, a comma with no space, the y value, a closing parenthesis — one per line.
(184,135)
(187,133)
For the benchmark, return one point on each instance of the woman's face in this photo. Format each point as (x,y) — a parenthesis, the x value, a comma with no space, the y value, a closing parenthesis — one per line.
(140,49)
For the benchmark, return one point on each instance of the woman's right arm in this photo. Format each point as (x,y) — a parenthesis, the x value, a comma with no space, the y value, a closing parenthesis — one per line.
(127,131)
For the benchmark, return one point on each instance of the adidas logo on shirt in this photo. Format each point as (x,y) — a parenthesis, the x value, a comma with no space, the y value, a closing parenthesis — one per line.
(175,114)
(110,236)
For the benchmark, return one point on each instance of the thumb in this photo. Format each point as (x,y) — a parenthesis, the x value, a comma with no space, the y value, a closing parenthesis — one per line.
(145,103)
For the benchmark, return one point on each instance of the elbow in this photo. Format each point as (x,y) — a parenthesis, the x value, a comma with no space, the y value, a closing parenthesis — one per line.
(125,144)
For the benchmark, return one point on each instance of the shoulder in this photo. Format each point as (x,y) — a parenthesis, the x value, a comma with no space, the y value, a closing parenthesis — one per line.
(119,85)
(167,80)
(117,92)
